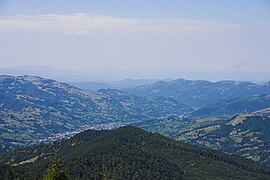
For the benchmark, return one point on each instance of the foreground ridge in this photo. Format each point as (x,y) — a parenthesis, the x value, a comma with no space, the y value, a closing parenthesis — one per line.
(129,153)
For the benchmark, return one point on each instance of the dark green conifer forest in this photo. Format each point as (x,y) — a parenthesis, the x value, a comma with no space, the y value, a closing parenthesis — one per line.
(126,153)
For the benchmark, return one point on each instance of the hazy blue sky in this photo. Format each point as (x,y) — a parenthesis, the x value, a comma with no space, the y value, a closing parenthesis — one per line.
(178,35)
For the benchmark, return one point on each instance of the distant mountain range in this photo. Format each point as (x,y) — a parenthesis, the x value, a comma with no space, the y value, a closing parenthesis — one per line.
(128,153)
(247,135)
(34,108)
(200,93)
(108,75)
(234,106)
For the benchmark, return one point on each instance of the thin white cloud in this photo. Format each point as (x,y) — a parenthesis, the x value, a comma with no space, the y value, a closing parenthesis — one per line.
(79,33)
(84,24)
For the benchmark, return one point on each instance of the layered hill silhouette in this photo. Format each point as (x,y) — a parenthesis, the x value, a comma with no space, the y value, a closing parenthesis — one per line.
(128,153)
(234,106)
(200,93)
(35,108)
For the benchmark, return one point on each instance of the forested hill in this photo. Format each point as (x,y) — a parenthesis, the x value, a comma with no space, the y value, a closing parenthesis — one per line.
(233,106)
(128,153)
(200,93)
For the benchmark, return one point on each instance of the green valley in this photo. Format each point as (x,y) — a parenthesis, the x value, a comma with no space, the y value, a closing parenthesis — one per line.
(34,108)
(247,135)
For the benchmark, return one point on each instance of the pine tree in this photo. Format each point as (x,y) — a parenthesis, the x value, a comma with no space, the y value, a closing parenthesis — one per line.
(55,171)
